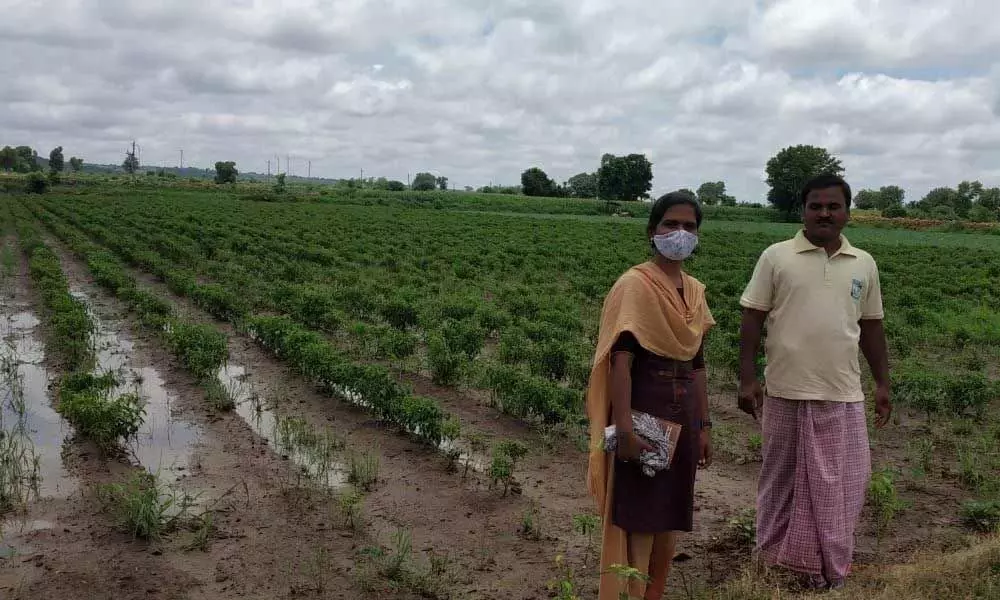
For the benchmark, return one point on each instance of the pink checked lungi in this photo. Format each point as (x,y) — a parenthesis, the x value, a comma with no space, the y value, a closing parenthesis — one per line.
(813,482)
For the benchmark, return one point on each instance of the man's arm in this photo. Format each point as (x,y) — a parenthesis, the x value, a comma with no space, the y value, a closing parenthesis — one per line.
(875,349)
(751,330)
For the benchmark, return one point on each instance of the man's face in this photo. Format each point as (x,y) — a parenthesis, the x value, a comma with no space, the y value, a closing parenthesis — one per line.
(825,214)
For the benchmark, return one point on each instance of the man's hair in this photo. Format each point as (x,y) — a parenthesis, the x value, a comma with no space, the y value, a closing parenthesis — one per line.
(666,202)
(824,181)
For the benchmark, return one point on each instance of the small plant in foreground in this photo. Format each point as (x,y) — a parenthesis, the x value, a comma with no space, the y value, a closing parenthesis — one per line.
(743,528)
(364,469)
(530,529)
(982,516)
(564,586)
(586,525)
(87,402)
(144,508)
(628,575)
(884,500)
(217,396)
(350,504)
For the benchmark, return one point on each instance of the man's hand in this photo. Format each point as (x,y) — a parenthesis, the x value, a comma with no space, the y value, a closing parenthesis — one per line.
(751,397)
(705,458)
(630,446)
(883,406)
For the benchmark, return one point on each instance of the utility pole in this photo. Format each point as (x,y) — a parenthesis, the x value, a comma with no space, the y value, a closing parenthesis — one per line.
(288,165)
(362,177)
(309,172)
(182,159)
(278,167)
(269,169)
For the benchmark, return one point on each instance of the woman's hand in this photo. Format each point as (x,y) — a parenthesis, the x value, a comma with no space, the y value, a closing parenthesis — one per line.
(705,447)
(630,446)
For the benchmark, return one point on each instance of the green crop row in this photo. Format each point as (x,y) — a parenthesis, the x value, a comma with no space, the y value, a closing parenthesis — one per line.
(371,386)
(201,348)
(460,294)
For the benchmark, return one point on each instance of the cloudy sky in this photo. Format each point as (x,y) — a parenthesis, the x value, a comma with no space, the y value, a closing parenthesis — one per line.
(906,92)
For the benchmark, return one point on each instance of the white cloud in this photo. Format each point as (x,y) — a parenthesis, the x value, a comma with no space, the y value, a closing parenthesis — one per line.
(904,91)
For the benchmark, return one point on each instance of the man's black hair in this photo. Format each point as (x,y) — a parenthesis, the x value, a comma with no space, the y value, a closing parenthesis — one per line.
(822,182)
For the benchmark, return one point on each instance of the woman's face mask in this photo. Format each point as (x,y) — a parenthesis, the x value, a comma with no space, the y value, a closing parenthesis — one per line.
(676,245)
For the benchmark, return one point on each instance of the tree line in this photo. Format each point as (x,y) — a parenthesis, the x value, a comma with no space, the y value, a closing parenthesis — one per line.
(25,159)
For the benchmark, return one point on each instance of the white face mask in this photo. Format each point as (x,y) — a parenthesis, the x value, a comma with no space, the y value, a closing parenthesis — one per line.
(676,245)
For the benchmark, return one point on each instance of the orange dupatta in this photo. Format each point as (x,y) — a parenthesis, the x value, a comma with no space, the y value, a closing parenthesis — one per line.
(645,302)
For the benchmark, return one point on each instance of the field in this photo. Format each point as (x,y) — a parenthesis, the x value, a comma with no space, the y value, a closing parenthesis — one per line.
(383,397)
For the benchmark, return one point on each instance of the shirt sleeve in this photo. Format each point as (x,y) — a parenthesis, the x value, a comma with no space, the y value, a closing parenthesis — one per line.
(759,293)
(871,306)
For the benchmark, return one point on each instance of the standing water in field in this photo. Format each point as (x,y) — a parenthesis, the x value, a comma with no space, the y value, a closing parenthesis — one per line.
(163,444)
(312,450)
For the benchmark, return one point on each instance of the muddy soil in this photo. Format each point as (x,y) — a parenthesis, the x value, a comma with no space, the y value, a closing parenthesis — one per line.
(279,536)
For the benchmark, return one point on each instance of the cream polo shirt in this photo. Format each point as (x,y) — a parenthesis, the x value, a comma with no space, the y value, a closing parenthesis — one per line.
(814,304)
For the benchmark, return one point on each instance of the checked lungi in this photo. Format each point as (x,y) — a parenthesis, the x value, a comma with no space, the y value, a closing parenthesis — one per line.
(812,486)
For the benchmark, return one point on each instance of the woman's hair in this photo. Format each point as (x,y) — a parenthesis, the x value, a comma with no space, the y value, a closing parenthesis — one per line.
(666,202)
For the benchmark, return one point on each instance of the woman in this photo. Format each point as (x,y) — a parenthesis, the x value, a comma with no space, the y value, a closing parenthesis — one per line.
(650,358)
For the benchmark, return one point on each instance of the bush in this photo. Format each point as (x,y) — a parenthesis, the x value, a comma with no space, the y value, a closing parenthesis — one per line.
(36,183)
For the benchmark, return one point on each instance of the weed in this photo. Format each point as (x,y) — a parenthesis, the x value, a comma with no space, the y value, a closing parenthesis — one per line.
(217,396)
(477,445)
(530,529)
(363,470)
(755,442)
(743,529)
(317,569)
(501,471)
(142,507)
(204,529)
(884,500)
(586,525)
(351,504)
(629,576)
(397,562)
(564,586)
(982,516)
(922,449)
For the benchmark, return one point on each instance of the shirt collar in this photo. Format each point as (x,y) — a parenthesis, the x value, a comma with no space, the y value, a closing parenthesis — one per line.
(802,244)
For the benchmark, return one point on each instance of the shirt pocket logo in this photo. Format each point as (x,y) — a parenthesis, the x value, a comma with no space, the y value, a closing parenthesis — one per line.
(856,287)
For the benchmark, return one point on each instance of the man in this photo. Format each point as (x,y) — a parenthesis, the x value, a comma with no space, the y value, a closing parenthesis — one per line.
(820,298)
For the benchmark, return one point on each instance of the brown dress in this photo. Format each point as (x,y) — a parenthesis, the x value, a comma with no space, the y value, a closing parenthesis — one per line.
(663,388)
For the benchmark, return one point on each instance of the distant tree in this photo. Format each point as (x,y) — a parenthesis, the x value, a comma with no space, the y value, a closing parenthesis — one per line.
(891,195)
(625,178)
(990,199)
(37,183)
(424,182)
(279,183)
(790,169)
(442,183)
(396,186)
(981,214)
(131,163)
(56,161)
(535,182)
(27,160)
(940,202)
(712,193)
(8,159)
(582,185)
(225,172)
(968,196)
(688,192)
(75,164)
(468,188)
(867,200)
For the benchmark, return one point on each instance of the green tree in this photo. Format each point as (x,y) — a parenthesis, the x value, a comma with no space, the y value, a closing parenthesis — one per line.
(790,169)
(535,182)
(56,160)
(396,186)
(940,202)
(990,199)
(625,178)
(688,192)
(131,163)
(225,172)
(868,200)
(891,195)
(582,185)
(27,160)
(75,164)
(8,159)
(712,193)
(981,214)
(442,183)
(968,196)
(424,182)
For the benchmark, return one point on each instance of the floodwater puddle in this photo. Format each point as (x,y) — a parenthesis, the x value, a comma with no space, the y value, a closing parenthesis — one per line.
(314,451)
(31,432)
(163,445)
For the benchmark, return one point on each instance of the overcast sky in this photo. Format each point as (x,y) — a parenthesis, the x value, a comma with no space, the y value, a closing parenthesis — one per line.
(906,92)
